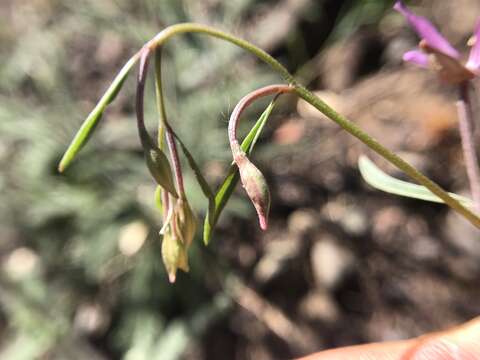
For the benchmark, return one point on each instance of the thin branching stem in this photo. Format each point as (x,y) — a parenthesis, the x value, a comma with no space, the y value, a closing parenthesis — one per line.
(162,37)
(465,124)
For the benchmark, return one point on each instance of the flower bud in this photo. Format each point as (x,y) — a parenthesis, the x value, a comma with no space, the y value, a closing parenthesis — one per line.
(174,254)
(256,187)
(160,168)
(186,222)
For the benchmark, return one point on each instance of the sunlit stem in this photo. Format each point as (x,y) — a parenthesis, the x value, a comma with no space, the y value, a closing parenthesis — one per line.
(162,37)
(242,105)
(465,123)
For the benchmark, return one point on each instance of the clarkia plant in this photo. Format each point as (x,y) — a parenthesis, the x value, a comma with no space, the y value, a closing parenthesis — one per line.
(179,221)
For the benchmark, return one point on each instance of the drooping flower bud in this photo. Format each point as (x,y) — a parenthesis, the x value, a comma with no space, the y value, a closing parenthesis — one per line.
(178,233)
(174,254)
(186,222)
(256,187)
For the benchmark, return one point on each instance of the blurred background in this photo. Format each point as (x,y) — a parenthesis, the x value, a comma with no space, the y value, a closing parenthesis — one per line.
(81,274)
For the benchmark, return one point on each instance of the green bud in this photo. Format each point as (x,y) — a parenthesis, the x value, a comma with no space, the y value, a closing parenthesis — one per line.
(186,222)
(160,168)
(178,236)
(256,187)
(174,254)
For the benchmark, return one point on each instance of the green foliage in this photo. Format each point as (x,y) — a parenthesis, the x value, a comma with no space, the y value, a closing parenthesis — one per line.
(374,176)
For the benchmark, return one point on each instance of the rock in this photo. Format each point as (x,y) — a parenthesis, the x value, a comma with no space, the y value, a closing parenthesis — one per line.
(307,111)
(302,220)
(319,305)
(330,262)
(277,253)
(463,235)
(351,217)
(290,132)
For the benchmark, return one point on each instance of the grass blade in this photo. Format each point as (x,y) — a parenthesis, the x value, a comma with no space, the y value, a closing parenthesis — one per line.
(94,117)
(375,177)
(225,190)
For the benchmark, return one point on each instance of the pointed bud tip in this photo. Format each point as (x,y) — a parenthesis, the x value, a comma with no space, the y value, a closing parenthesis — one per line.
(172,278)
(256,187)
(263,222)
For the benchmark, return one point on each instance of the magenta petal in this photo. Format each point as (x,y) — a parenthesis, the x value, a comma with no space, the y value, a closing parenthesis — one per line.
(416,57)
(473,63)
(427,31)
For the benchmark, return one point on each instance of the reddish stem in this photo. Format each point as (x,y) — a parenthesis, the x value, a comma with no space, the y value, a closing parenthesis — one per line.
(177,167)
(142,74)
(243,104)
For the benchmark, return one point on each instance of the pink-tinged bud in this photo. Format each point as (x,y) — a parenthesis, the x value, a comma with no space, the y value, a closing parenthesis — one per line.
(256,187)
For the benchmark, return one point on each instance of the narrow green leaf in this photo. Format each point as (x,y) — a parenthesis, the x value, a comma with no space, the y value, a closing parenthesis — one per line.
(94,117)
(382,181)
(228,185)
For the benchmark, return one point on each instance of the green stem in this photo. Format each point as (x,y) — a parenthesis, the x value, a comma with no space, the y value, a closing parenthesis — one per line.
(162,116)
(373,144)
(162,37)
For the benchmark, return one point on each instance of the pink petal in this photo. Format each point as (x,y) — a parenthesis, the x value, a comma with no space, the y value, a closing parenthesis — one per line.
(474,58)
(427,31)
(416,57)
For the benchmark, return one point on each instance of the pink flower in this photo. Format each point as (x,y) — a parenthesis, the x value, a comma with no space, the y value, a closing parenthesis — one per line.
(436,52)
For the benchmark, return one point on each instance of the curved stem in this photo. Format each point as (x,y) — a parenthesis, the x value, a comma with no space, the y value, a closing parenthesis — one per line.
(163,36)
(243,104)
(308,96)
(142,73)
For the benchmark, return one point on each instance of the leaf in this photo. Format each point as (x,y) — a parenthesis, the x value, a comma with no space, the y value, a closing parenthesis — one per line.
(375,177)
(228,185)
(91,122)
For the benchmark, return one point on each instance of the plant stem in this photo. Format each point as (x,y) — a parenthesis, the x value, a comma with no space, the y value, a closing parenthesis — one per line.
(387,154)
(465,124)
(308,96)
(159,98)
(164,126)
(177,167)
(144,60)
(243,104)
